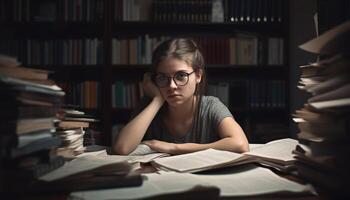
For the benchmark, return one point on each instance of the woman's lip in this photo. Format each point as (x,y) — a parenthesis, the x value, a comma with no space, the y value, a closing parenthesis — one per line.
(173,95)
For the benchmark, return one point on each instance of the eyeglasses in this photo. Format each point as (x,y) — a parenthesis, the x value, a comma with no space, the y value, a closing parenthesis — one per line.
(180,79)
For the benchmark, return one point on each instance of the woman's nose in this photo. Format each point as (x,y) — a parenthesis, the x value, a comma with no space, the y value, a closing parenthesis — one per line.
(172,83)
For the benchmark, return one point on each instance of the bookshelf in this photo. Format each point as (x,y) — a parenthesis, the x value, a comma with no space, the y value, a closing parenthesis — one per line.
(120,36)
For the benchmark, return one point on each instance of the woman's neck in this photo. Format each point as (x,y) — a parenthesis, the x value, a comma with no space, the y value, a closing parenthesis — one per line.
(185,111)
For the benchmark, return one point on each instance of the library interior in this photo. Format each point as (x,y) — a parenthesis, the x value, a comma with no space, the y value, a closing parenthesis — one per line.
(170,99)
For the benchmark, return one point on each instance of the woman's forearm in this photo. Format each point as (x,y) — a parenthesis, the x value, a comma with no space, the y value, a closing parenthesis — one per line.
(131,135)
(227,144)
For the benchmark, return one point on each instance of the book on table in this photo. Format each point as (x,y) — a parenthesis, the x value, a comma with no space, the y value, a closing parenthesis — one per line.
(276,154)
(89,172)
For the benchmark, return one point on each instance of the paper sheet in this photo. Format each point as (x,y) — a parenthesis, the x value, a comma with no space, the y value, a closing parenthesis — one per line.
(278,149)
(197,160)
(82,164)
(246,181)
(243,181)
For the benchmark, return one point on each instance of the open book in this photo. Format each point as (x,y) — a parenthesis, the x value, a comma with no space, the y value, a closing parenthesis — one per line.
(144,154)
(276,154)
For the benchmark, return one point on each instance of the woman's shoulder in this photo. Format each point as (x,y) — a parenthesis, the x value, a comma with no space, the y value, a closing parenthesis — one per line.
(210,99)
(210,102)
(212,106)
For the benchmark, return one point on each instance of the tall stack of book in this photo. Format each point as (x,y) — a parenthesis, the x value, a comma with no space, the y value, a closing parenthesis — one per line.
(323,153)
(71,128)
(29,103)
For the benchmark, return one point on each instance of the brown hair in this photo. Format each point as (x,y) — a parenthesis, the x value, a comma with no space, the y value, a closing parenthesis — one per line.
(187,50)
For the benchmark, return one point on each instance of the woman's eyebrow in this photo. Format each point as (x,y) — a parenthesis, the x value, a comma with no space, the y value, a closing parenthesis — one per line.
(162,73)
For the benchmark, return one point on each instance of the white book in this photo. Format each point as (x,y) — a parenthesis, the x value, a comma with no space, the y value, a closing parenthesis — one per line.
(144,154)
(89,164)
(328,85)
(278,152)
(331,103)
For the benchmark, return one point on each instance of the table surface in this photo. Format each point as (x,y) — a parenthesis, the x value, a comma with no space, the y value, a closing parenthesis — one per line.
(198,193)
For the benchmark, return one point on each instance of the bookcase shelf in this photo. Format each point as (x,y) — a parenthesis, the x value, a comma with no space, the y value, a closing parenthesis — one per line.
(104,27)
(55,29)
(176,28)
(58,68)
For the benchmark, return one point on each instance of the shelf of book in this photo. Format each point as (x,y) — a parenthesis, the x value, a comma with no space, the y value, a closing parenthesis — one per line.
(56,26)
(207,28)
(108,42)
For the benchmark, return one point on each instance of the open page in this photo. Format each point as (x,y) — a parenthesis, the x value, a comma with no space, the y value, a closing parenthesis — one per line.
(245,181)
(279,151)
(144,154)
(329,42)
(94,153)
(200,161)
(117,164)
(341,92)
(251,180)
(331,103)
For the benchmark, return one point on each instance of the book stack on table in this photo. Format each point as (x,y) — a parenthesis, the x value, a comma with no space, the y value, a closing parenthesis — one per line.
(29,104)
(323,156)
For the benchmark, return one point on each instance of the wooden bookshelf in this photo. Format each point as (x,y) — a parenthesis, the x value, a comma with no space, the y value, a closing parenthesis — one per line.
(107,25)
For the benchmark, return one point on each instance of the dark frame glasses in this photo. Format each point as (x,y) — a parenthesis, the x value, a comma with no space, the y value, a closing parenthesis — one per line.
(180,79)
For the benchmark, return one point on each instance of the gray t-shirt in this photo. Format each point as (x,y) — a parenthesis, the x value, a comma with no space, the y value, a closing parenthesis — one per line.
(212,112)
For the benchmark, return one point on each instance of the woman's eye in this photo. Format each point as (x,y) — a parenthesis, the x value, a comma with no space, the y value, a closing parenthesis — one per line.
(162,78)
(181,75)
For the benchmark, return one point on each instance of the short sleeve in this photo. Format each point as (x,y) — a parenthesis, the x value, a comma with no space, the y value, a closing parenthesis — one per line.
(218,111)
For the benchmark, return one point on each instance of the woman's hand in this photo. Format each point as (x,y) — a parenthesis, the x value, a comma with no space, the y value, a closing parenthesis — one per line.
(149,88)
(160,146)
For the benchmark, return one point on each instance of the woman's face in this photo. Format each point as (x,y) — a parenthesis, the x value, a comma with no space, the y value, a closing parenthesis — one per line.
(178,81)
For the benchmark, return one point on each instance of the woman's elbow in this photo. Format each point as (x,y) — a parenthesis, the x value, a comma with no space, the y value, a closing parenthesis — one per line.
(121,149)
(242,147)
(245,147)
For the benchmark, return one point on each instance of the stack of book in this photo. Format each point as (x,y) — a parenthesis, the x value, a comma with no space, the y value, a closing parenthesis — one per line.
(71,128)
(322,156)
(29,103)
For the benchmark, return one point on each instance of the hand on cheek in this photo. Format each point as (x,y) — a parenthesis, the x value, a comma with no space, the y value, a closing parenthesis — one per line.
(150,89)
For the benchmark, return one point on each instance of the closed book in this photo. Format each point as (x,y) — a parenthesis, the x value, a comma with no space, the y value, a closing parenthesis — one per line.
(23,85)
(80,119)
(16,97)
(18,112)
(26,126)
(72,124)
(28,145)
(24,73)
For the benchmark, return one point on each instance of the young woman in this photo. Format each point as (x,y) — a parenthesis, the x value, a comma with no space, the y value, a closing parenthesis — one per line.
(178,118)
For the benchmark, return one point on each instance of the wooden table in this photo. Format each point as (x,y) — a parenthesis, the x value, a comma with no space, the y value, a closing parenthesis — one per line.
(196,193)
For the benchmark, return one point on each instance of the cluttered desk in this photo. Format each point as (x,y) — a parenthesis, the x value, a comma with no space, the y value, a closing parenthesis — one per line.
(267,171)
(98,175)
